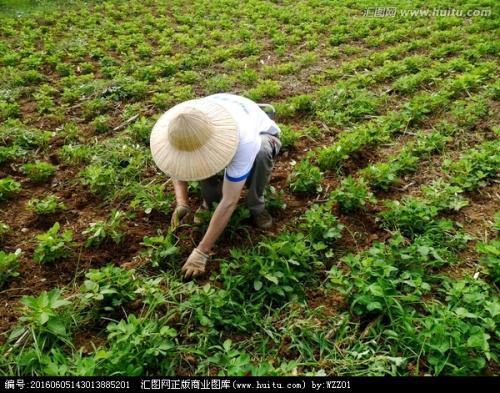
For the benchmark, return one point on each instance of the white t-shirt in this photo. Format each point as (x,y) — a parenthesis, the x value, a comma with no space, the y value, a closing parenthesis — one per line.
(252,121)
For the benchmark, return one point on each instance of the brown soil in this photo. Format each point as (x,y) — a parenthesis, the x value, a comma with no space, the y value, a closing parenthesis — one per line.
(330,303)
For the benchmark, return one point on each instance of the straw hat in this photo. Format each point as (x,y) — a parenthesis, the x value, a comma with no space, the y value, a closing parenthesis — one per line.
(194,140)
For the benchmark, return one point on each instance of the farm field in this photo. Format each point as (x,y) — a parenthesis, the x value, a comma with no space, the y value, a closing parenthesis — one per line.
(384,256)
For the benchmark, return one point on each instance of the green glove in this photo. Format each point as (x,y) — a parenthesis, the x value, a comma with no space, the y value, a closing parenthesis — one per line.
(179,213)
(195,264)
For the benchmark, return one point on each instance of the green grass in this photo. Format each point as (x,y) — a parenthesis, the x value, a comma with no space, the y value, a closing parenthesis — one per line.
(25,8)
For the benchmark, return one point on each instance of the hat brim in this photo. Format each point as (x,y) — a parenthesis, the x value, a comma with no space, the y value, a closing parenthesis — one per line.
(208,159)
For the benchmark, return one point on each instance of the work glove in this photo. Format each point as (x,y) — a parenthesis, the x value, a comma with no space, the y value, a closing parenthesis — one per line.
(195,264)
(179,213)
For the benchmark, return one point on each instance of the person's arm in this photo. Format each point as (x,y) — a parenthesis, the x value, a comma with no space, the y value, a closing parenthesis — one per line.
(195,264)
(182,208)
(181,192)
(231,192)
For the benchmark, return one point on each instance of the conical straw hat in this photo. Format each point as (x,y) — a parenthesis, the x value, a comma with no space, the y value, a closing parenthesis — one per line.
(194,140)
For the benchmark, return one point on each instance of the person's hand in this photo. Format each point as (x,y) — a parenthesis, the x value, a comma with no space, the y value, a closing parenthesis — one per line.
(179,213)
(195,264)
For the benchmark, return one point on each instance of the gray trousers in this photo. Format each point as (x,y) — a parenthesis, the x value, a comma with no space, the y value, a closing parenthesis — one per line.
(211,188)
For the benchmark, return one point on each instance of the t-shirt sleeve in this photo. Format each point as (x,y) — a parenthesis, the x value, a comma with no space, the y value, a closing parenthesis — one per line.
(241,165)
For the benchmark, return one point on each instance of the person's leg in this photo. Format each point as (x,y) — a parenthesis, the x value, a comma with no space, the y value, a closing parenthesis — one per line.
(211,192)
(211,189)
(261,173)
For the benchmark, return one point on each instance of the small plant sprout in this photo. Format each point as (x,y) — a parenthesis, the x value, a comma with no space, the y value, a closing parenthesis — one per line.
(306,178)
(160,248)
(39,172)
(8,265)
(48,205)
(99,231)
(43,316)
(53,246)
(8,188)
(353,194)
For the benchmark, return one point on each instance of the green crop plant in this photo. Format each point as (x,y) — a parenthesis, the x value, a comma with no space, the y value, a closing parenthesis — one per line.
(48,205)
(412,112)
(74,154)
(101,124)
(39,172)
(108,288)
(381,175)
(265,89)
(410,83)
(214,308)
(490,258)
(426,144)
(141,129)
(44,319)
(410,215)
(444,195)
(344,105)
(9,153)
(390,282)
(152,197)
(8,110)
(53,246)
(8,188)
(13,132)
(115,167)
(297,105)
(9,265)
(450,333)
(373,132)
(140,344)
(352,195)
(63,69)
(100,231)
(305,178)
(219,84)
(236,225)
(86,67)
(45,103)
(385,174)
(423,104)
(247,77)
(28,78)
(467,113)
(100,179)
(71,132)
(321,225)
(160,249)
(377,284)
(474,168)
(275,270)
(127,88)
(93,108)
(232,361)
(288,137)
(176,95)
(275,200)
(238,221)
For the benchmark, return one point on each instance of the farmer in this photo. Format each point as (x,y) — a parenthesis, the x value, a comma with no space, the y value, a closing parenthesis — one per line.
(196,140)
